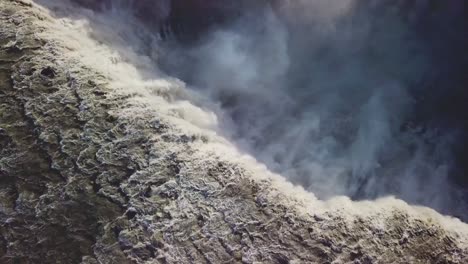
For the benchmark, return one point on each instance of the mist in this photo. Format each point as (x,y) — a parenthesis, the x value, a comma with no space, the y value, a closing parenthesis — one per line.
(340,97)
(327,96)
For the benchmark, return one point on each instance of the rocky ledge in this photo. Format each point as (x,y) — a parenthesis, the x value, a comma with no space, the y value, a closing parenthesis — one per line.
(80,182)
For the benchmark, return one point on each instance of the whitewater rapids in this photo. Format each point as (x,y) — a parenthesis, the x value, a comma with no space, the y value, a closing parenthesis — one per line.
(101,46)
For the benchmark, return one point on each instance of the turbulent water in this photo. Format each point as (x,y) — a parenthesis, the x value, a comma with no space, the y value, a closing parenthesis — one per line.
(330,98)
(339,97)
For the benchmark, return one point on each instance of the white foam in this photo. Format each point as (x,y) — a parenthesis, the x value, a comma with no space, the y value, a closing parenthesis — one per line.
(111,53)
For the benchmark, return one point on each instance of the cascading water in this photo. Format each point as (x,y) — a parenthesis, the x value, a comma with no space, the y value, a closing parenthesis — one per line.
(341,97)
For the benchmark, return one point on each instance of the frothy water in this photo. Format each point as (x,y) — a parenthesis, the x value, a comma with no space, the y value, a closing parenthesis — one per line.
(326,99)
